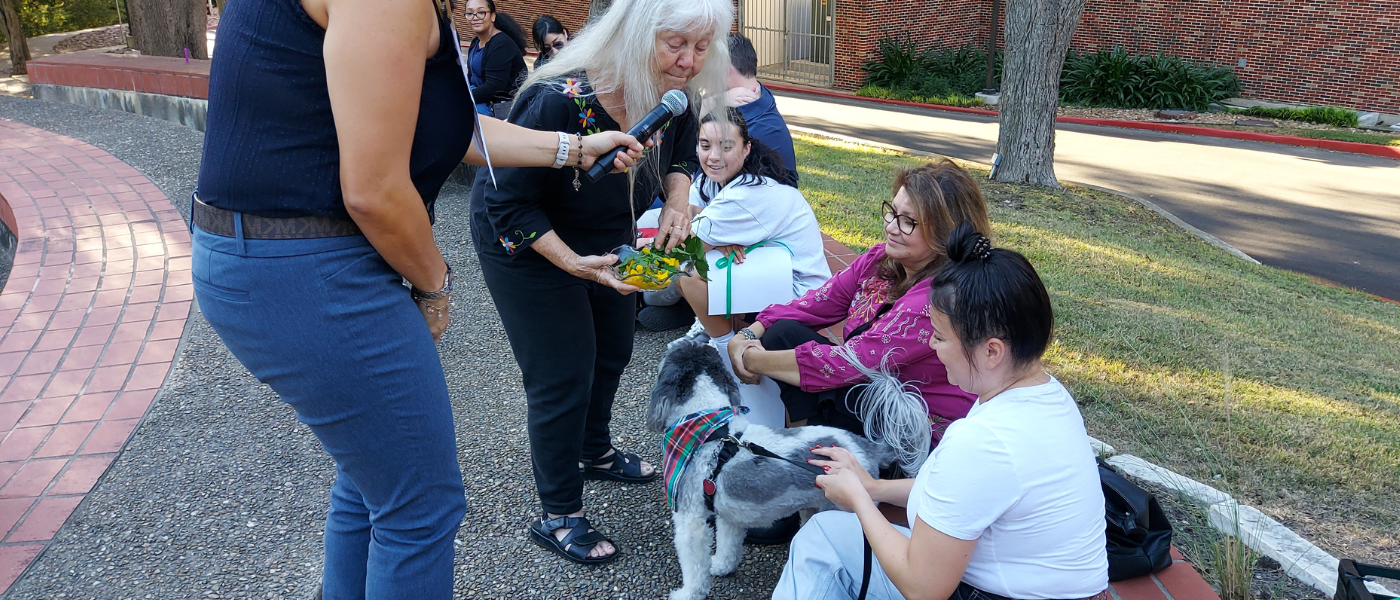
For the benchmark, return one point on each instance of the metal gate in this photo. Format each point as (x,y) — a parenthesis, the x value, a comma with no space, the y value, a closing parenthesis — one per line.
(794,38)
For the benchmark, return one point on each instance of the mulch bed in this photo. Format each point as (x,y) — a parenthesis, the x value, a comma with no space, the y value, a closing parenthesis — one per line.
(97,38)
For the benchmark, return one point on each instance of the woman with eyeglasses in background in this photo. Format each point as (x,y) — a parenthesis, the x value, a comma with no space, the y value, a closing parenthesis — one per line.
(883,299)
(550,37)
(495,62)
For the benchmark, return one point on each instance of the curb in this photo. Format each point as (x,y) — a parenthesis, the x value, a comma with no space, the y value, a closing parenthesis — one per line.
(1175,220)
(1334,145)
(1209,239)
(1300,558)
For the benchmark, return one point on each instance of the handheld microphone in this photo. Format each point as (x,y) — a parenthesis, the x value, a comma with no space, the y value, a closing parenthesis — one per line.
(672,104)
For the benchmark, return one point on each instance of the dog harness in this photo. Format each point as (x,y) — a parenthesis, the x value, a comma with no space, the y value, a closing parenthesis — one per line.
(693,431)
(731,446)
(685,437)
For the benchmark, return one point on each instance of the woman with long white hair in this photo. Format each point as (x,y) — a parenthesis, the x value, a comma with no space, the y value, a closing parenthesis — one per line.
(544,239)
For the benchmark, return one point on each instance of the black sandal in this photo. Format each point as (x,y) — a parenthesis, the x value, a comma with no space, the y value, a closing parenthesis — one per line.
(626,467)
(576,544)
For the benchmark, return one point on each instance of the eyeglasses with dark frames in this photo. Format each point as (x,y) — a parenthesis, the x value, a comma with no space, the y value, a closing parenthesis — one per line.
(906,223)
(479,15)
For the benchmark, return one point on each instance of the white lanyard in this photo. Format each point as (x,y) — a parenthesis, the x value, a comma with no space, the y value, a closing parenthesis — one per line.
(476,117)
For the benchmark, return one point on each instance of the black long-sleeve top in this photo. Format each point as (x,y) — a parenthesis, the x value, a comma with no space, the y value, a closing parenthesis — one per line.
(529,202)
(502,68)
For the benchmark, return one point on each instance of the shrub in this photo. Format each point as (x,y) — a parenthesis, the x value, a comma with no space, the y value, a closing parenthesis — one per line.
(1111,78)
(875,91)
(41,17)
(951,71)
(1102,79)
(899,61)
(1324,115)
(1116,79)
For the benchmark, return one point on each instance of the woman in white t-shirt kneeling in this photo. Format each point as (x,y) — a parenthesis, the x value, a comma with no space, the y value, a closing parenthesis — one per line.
(1009,505)
(747,198)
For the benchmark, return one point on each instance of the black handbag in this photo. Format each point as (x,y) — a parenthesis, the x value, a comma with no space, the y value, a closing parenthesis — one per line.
(1139,535)
(1351,580)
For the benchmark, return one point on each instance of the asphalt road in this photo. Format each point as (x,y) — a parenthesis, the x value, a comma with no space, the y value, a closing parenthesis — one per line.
(1332,215)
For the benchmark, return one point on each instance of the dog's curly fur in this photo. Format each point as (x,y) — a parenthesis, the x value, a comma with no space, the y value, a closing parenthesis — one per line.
(751,491)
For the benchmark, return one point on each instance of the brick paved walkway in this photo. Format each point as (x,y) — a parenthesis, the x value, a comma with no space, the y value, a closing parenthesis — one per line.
(92,314)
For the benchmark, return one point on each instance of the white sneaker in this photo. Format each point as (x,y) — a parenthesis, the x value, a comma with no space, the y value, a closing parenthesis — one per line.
(697,333)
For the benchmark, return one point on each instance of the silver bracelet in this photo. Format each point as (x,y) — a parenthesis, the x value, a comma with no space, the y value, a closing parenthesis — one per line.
(748,333)
(562,155)
(446,290)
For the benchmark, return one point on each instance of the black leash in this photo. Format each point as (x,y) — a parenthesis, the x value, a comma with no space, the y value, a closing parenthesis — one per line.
(865,576)
(730,447)
(766,453)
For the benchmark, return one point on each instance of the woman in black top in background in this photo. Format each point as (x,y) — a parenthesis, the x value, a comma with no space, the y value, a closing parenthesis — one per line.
(550,37)
(314,206)
(544,239)
(496,59)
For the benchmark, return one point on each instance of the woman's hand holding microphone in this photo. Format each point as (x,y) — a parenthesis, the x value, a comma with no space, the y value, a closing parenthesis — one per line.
(602,143)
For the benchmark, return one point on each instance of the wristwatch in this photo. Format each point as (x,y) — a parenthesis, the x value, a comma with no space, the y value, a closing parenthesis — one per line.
(748,334)
(438,295)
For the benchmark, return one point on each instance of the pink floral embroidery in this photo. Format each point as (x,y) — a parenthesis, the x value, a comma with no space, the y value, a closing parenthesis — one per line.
(868,298)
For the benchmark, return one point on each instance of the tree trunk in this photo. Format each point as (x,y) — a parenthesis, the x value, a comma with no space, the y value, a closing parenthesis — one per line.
(14,32)
(1038,34)
(168,27)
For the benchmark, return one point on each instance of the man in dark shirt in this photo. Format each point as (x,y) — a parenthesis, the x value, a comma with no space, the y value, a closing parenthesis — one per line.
(756,103)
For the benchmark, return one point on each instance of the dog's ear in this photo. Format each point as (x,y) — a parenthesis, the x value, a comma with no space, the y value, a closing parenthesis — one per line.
(664,394)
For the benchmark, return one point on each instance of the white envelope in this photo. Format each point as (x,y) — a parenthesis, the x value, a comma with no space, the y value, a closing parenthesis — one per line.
(763,279)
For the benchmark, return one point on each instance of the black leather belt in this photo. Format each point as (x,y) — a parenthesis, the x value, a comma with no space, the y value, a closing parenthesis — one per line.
(220,222)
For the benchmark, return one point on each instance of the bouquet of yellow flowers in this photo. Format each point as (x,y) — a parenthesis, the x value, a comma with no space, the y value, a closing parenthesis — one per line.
(652,269)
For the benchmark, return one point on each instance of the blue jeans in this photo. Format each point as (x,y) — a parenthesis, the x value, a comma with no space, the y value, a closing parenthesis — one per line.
(328,325)
(826,561)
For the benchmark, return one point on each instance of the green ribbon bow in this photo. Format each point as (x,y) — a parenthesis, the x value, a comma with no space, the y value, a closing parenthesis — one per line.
(724,262)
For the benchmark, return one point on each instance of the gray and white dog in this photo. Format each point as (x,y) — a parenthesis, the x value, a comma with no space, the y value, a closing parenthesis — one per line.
(751,490)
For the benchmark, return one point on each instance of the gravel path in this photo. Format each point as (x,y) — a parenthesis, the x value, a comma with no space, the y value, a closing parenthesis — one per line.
(222,493)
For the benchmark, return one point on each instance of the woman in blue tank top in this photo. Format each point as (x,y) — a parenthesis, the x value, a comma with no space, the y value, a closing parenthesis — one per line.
(332,125)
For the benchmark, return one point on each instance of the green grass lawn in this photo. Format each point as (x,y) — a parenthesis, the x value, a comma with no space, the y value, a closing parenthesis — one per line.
(1279,390)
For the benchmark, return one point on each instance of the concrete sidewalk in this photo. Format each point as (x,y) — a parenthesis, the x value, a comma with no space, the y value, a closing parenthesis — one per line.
(1331,215)
(221,493)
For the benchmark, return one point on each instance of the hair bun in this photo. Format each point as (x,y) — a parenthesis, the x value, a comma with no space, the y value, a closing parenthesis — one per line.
(967,244)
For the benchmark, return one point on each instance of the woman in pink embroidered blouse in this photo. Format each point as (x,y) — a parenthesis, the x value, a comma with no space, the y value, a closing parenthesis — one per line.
(883,299)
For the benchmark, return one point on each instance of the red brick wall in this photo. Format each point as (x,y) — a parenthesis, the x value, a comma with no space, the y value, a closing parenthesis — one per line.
(927,22)
(1334,52)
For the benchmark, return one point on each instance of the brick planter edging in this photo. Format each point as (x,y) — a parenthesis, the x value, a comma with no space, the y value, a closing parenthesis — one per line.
(1335,145)
(146,74)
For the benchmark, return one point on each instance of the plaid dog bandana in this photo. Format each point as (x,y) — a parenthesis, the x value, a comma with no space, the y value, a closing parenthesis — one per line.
(684,438)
